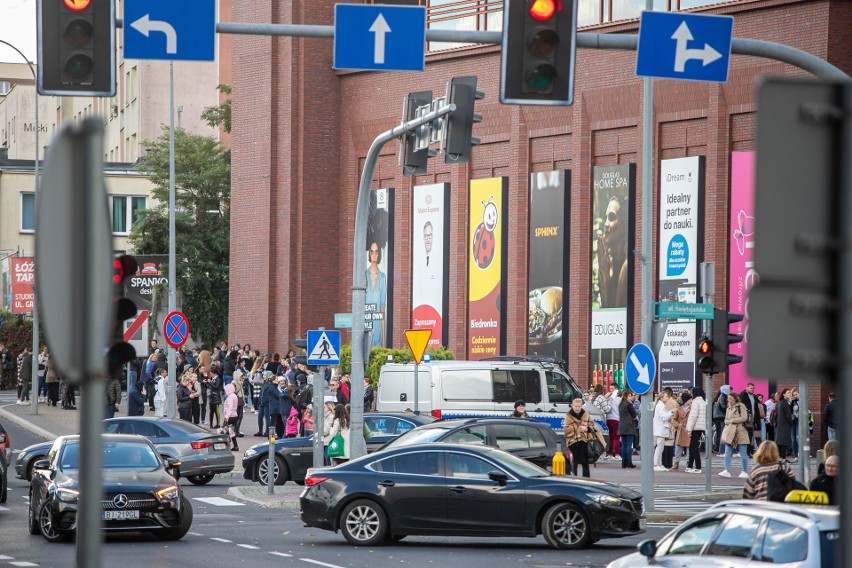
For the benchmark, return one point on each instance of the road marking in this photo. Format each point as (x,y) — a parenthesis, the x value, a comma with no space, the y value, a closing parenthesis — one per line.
(23,564)
(195,534)
(7,557)
(317,562)
(249,546)
(219,502)
(284,554)
(2,508)
(220,539)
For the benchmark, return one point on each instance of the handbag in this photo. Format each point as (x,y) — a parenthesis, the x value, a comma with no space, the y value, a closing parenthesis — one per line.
(594,450)
(779,484)
(335,447)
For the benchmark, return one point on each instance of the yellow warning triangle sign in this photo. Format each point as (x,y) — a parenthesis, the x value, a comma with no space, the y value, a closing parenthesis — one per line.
(417,340)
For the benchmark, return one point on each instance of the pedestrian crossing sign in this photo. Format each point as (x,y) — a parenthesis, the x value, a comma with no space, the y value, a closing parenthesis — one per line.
(323,347)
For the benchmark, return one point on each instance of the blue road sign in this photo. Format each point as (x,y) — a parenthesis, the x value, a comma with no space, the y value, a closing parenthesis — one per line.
(323,347)
(380,38)
(640,369)
(165,29)
(674,45)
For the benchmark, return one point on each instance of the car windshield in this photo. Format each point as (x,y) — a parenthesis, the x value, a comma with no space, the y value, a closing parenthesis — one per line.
(417,436)
(520,466)
(117,455)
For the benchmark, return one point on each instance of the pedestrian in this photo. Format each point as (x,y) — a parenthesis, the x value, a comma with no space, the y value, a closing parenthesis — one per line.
(578,430)
(275,395)
(257,383)
(829,417)
(749,399)
(696,426)
(678,427)
(343,389)
(204,384)
(339,425)
(794,432)
(771,415)
(137,399)
(184,399)
(662,427)
(195,387)
(784,424)
(831,448)
(328,416)
(291,429)
(720,406)
(669,444)
(735,435)
(113,396)
(240,391)
(308,421)
(230,405)
(162,388)
(825,481)
(520,410)
(767,463)
(263,408)
(627,430)
(229,364)
(52,381)
(42,375)
(613,418)
(368,394)
(25,373)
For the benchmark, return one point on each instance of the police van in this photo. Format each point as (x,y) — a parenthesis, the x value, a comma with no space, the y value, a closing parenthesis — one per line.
(485,388)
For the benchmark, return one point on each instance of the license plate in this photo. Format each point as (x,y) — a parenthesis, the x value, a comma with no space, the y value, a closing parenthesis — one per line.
(643,523)
(120,515)
(220,447)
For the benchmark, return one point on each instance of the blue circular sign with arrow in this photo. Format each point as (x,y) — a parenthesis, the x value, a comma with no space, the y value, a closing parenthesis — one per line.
(640,369)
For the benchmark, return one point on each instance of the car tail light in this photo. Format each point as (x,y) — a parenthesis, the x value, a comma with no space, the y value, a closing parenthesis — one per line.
(314,480)
(201,445)
(436,414)
(4,438)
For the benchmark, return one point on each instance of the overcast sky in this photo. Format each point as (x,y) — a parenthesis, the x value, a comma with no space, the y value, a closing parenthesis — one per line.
(18,27)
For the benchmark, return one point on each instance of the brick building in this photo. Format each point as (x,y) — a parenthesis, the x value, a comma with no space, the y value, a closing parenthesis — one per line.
(301,131)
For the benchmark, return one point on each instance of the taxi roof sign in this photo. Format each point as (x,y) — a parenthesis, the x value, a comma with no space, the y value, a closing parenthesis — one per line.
(417,340)
(807,497)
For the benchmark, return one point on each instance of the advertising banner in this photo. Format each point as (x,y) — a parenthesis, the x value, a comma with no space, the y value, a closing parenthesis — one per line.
(680,240)
(742,275)
(152,272)
(23,278)
(486,271)
(378,306)
(548,263)
(613,194)
(429,264)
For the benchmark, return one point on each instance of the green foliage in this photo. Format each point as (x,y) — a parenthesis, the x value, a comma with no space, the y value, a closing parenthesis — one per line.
(202,225)
(221,113)
(379,357)
(17,332)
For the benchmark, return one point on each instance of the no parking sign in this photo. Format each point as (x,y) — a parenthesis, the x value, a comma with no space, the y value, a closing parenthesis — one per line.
(176,329)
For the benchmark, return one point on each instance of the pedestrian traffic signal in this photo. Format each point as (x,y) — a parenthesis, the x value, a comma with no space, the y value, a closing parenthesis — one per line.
(705,355)
(412,159)
(121,352)
(537,60)
(462,92)
(723,339)
(302,345)
(76,47)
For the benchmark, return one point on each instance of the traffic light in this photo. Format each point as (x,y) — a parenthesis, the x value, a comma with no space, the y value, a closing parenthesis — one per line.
(723,339)
(705,355)
(537,60)
(121,352)
(302,345)
(76,47)
(462,92)
(412,160)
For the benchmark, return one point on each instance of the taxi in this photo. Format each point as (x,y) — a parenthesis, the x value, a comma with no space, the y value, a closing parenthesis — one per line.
(803,532)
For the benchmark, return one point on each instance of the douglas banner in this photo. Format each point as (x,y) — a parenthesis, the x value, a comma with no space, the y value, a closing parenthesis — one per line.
(429,264)
(612,268)
(548,268)
(378,305)
(681,234)
(487,266)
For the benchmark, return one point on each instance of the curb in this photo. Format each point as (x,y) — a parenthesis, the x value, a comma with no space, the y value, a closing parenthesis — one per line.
(258,495)
(26,425)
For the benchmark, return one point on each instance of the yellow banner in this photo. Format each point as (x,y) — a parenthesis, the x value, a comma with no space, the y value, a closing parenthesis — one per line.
(486,225)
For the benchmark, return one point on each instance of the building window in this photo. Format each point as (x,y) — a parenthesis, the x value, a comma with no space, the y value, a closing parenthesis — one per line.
(5,87)
(27,212)
(125,212)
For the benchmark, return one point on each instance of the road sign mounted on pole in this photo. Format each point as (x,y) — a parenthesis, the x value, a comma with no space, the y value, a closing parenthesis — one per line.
(641,368)
(674,45)
(163,29)
(417,340)
(323,347)
(379,38)
(176,329)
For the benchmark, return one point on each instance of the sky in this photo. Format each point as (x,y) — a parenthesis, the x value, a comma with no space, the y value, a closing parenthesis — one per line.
(18,27)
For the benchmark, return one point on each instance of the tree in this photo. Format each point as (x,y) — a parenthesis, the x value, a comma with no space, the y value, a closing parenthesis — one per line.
(221,113)
(202,225)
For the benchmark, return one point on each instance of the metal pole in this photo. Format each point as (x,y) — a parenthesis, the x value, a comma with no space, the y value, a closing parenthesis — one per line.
(270,463)
(171,401)
(707,277)
(359,289)
(416,390)
(646,420)
(89,534)
(319,417)
(803,467)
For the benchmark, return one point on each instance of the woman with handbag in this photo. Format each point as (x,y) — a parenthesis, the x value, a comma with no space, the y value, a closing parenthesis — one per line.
(768,464)
(578,429)
(678,427)
(735,434)
(339,431)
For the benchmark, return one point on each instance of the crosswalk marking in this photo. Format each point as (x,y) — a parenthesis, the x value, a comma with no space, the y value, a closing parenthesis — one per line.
(317,562)
(220,539)
(195,534)
(20,563)
(249,546)
(2,508)
(219,502)
(284,554)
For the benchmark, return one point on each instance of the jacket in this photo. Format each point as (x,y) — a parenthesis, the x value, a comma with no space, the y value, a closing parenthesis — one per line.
(136,400)
(334,429)
(757,485)
(735,432)
(162,385)
(285,403)
(784,427)
(215,390)
(678,424)
(231,401)
(26,371)
(52,375)
(327,420)
(626,414)
(113,391)
(697,419)
(578,428)
(662,416)
(720,406)
(183,398)
(603,403)
(274,396)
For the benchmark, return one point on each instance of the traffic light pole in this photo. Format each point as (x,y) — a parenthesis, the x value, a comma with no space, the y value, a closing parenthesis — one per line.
(359,289)
(171,399)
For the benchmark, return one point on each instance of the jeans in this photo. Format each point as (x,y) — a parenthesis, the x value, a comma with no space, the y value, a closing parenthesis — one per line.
(658,451)
(743,449)
(832,433)
(263,422)
(227,380)
(795,432)
(626,449)
(158,407)
(42,387)
(717,438)
(614,446)
(109,411)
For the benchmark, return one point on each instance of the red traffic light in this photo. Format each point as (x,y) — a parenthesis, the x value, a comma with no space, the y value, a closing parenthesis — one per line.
(705,347)
(122,267)
(542,10)
(77,5)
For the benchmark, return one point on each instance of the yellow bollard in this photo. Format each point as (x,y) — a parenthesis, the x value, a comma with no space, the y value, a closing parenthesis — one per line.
(558,467)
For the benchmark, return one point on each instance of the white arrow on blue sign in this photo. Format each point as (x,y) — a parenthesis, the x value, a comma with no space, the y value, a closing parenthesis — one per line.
(641,368)
(165,29)
(379,38)
(674,45)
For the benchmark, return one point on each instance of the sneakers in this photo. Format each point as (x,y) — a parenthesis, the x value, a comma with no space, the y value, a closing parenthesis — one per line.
(725,473)
(675,467)
(792,460)
(659,468)
(692,470)
(743,475)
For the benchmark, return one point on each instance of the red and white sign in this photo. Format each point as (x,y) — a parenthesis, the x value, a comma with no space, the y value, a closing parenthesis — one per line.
(23,277)
(176,329)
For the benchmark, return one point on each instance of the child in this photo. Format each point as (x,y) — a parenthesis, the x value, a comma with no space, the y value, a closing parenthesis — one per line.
(308,420)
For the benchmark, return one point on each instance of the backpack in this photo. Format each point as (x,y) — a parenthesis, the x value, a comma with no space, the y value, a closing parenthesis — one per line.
(779,484)
(773,417)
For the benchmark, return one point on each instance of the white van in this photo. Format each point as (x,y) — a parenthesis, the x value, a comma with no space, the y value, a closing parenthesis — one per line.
(488,388)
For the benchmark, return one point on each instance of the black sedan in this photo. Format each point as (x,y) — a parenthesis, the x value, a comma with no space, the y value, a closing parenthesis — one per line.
(5,448)
(139,491)
(293,456)
(460,490)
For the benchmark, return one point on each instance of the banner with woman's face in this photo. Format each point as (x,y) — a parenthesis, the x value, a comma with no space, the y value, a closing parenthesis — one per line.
(378,307)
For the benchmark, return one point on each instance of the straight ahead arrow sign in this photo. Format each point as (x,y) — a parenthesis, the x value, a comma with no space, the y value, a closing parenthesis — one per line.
(682,36)
(380,27)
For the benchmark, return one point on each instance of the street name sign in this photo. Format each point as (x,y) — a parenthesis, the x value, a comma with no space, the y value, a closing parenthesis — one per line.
(343,321)
(379,38)
(323,347)
(678,310)
(640,369)
(674,45)
(164,29)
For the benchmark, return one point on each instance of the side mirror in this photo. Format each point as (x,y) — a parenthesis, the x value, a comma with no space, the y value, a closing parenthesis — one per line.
(41,464)
(647,548)
(498,476)
(173,464)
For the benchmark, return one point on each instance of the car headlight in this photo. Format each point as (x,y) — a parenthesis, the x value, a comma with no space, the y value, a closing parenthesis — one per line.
(169,493)
(67,495)
(605,499)
(250,453)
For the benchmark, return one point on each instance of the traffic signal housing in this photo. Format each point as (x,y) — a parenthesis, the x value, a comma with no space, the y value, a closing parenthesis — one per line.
(76,47)
(302,345)
(121,352)
(412,160)
(704,356)
(462,92)
(723,339)
(539,44)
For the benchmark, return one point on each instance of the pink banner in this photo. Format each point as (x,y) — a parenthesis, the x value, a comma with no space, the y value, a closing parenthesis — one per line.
(23,297)
(742,274)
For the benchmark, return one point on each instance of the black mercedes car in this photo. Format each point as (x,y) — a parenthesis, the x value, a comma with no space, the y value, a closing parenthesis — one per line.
(293,456)
(461,490)
(140,494)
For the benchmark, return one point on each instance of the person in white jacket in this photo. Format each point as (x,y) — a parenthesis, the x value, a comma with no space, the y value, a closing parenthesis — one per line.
(161,387)
(662,431)
(340,425)
(696,425)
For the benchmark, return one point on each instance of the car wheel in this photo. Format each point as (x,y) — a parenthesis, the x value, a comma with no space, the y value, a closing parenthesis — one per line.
(46,525)
(363,523)
(201,479)
(179,531)
(32,518)
(565,527)
(280,472)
